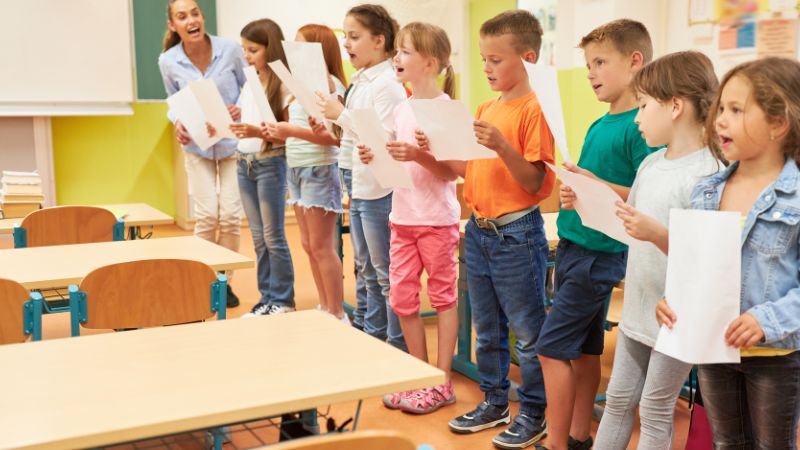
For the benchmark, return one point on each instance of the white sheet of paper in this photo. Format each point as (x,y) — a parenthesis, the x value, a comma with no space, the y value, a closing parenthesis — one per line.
(703,285)
(307,64)
(595,204)
(213,106)
(260,98)
(389,172)
(305,96)
(448,125)
(544,82)
(188,112)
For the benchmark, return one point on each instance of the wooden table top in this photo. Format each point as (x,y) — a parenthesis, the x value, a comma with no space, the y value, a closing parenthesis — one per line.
(61,265)
(135,214)
(100,389)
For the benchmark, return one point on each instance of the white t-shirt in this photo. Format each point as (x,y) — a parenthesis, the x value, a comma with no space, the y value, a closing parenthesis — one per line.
(376,88)
(301,153)
(660,185)
(251,115)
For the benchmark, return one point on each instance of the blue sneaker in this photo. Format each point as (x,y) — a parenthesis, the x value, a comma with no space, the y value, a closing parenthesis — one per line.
(524,432)
(481,418)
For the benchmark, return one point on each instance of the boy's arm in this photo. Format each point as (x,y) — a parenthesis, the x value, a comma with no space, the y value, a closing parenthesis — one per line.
(622,191)
(530,175)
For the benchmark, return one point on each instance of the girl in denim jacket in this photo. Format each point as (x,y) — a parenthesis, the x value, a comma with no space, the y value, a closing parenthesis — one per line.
(756,120)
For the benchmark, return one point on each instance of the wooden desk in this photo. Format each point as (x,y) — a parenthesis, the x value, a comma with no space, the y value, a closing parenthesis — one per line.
(61,265)
(124,386)
(136,215)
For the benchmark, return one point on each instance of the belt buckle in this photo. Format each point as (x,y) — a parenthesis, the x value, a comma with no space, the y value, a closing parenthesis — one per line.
(485,224)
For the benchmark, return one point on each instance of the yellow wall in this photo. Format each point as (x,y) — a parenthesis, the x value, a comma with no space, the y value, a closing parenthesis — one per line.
(117,159)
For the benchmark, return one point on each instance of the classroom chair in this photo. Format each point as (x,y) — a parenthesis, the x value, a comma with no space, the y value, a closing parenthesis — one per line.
(356,440)
(147,293)
(63,225)
(20,313)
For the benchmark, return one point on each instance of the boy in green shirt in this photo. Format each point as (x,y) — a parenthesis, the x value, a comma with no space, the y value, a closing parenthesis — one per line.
(589,263)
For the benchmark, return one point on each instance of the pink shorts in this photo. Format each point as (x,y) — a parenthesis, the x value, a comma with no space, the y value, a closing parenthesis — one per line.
(414,248)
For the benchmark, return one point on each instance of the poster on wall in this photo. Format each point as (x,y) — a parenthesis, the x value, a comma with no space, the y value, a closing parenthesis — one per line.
(777,37)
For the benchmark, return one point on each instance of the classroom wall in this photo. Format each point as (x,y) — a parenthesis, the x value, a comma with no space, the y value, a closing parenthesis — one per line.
(115,159)
(109,159)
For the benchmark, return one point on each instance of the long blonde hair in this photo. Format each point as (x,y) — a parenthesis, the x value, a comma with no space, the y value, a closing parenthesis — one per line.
(431,41)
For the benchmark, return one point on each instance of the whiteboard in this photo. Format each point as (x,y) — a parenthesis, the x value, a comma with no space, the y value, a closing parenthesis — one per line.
(60,54)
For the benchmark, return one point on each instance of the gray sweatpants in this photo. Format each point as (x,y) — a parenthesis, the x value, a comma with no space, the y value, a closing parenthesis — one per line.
(641,376)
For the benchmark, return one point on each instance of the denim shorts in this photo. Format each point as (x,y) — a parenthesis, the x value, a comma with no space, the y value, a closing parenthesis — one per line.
(584,281)
(315,187)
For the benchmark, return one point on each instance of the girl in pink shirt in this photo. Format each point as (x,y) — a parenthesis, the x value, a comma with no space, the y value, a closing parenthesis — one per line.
(424,220)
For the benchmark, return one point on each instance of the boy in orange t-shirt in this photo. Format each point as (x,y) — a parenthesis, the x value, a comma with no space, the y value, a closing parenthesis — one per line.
(505,241)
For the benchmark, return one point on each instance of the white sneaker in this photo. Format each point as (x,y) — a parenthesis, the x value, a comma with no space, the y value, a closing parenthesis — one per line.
(345,320)
(262,309)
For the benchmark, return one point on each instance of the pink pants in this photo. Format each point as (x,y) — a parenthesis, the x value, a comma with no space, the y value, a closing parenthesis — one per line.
(414,248)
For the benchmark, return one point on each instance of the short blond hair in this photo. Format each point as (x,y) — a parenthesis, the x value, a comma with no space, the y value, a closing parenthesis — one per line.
(524,28)
(626,35)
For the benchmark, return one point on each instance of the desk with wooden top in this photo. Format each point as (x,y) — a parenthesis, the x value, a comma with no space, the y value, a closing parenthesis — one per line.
(120,387)
(61,265)
(135,215)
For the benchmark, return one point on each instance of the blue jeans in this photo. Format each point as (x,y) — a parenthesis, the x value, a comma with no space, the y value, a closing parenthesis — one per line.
(369,231)
(346,175)
(262,185)
(505,277)
(754,404)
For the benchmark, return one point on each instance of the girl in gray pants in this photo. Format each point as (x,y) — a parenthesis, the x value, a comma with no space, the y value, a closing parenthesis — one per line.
(674,92)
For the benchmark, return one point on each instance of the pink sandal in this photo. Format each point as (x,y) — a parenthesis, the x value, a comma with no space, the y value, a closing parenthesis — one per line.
(428,400)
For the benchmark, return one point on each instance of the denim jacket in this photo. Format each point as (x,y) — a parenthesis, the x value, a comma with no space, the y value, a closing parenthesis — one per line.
(770,253)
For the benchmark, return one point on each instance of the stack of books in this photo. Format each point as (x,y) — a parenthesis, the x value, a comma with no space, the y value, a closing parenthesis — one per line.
(20,193)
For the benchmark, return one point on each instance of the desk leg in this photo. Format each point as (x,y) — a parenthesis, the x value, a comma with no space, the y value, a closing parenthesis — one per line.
(462,361)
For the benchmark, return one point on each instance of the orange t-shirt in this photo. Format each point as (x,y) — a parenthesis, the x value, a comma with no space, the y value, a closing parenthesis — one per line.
(489,188)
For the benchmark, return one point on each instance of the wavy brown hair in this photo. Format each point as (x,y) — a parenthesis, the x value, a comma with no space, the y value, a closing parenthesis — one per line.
(775,88)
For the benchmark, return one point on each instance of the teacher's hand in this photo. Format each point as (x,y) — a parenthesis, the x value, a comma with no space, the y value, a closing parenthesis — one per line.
(235,112)
(181,134)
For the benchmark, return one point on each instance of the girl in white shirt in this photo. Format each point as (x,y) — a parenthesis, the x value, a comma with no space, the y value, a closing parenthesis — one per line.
(369,40)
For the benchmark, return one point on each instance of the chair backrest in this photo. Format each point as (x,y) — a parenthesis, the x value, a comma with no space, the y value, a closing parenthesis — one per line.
(357,440)
(63,225)
(12,298)
(552,202)
(147,293)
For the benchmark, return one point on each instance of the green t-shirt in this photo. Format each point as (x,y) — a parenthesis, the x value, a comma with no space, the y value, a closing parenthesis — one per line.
(612,150)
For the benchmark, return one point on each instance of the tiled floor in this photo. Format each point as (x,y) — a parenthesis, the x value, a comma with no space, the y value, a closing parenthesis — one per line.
(430,429)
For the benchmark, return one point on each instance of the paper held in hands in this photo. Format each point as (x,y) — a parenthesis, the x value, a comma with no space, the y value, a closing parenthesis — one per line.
(595,204)
(255,90)
(544,82)
(703,285)
(389,172)
(304,95)
(448,126)
(200,102)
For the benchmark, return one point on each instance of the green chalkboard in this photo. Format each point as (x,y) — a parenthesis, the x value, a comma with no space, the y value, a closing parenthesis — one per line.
(149,25)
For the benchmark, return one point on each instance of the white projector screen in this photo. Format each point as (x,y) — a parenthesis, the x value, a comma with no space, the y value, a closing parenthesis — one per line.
(65,57)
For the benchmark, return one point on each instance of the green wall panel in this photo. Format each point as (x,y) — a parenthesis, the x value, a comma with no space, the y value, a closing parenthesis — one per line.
(149,25)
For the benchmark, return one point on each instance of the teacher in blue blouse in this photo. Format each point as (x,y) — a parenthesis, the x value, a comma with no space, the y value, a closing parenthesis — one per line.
(190,54)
